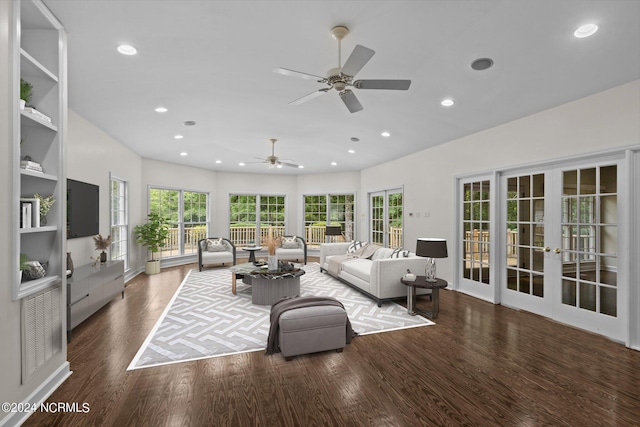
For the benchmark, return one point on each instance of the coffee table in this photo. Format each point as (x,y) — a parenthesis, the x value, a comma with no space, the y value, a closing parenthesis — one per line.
(268,286)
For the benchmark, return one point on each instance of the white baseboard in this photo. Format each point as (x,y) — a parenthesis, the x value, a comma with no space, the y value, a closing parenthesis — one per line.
(38,396)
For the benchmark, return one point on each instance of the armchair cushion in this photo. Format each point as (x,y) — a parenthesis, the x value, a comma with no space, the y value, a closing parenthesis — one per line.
(216,245)
(290,242)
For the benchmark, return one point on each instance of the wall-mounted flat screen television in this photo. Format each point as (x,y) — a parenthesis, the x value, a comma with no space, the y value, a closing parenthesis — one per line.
(83,209)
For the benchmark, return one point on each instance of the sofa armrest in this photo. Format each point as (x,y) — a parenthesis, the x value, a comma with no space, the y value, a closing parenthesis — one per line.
(328,249)
(386,274)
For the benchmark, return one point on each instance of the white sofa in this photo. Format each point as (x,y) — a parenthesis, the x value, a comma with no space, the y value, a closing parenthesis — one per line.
(377,277)
(216,250)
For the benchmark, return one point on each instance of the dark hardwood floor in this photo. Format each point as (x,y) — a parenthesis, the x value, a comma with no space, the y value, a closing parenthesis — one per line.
(480,365)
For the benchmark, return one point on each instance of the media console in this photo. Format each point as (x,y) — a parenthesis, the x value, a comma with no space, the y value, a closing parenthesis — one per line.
(90,288)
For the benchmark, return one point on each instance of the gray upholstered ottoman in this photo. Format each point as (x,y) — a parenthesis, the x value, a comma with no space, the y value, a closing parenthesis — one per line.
(312,329)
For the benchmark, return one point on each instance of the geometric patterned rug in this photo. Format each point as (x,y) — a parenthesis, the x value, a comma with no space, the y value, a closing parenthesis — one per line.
(204,319)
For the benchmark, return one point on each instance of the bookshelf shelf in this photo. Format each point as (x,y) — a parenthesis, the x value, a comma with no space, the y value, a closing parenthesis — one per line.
(39,52)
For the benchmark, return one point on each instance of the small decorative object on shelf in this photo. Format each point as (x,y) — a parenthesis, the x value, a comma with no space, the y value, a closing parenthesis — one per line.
(34,270)
(69,265)
(45,206)
(24,259)
(102,244)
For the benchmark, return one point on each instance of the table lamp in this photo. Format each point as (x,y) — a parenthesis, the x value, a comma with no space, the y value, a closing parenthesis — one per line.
(432,249)
(333,230)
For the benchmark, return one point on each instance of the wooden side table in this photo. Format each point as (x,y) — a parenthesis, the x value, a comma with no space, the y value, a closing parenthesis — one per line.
(421,282)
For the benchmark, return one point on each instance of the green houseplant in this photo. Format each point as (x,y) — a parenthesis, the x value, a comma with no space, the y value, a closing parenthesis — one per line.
(26,92)
(152,235)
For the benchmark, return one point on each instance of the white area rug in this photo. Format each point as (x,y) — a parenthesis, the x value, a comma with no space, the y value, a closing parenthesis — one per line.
(204,319)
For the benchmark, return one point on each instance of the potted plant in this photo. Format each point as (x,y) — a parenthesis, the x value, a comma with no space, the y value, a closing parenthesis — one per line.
(26,92)
(102,244)
(45,206)
(152,234)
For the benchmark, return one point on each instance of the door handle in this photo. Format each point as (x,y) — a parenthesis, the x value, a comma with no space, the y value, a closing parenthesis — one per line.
(547,248)
(556,251)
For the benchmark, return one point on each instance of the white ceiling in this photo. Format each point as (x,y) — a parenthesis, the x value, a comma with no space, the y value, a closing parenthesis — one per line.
(212,62)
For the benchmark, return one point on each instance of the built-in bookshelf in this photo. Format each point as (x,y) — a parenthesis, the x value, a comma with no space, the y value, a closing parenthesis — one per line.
(39,55)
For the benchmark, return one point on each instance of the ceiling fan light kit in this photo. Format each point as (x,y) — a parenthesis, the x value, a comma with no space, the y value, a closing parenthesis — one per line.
(340,78)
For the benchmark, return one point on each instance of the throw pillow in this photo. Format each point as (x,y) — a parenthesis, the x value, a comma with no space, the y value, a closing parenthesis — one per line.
(216,245)
(289,242)
(355,245)
(399,253)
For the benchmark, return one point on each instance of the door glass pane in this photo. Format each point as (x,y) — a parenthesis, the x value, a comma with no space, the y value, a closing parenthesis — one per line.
(476,229)
(569,292)
(590,239)
(525,234)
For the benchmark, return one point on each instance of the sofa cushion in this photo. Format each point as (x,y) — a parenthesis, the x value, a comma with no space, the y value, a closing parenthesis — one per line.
(355,245)
(216,245)
(382,253)
(290,242)
(360,268)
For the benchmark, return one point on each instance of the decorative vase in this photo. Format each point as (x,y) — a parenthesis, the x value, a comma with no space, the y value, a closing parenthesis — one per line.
(69,265)
(272,262)
(103,257)
(43,220)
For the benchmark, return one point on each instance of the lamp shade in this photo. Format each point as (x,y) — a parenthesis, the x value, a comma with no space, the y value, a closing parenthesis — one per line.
(333,230)
(432,248)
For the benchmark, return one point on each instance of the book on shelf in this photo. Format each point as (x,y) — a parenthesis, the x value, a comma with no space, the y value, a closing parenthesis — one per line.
(30,213)
(38,114)
(30,163)
(32,168)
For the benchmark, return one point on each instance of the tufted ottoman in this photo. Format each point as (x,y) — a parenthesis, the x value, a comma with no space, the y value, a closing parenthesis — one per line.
(312,329)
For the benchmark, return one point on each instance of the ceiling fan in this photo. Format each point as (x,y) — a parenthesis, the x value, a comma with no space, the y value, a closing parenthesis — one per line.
(274,161)
(341,77)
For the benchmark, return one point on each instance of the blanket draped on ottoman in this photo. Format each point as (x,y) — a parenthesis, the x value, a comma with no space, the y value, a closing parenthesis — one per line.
(291,303)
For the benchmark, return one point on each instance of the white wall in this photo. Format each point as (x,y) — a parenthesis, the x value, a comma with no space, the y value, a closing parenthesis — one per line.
(91,156)
(599,122)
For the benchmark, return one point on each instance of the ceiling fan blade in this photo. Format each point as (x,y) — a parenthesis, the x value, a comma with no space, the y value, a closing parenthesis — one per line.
(309,96)
(350,100)
(358,59)
(383,84)
(299,74)
(291,165)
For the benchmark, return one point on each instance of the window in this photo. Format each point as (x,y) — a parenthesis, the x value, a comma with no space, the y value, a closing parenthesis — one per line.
(187,212)
(337,208)
(252,215)
(119,221)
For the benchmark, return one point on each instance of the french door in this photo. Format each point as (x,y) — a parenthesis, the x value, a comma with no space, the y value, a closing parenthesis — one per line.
(385,213)
(561,245)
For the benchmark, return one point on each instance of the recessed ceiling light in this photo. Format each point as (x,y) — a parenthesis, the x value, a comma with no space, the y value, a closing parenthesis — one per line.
(351,151)
(385,134)
(279,166)
(178,137)
(585,30)
(126,49)
(448,102)
(218,161)
(241,164)
(184,153)
(300,167)
(482,64)
(334,164)
(161,110)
